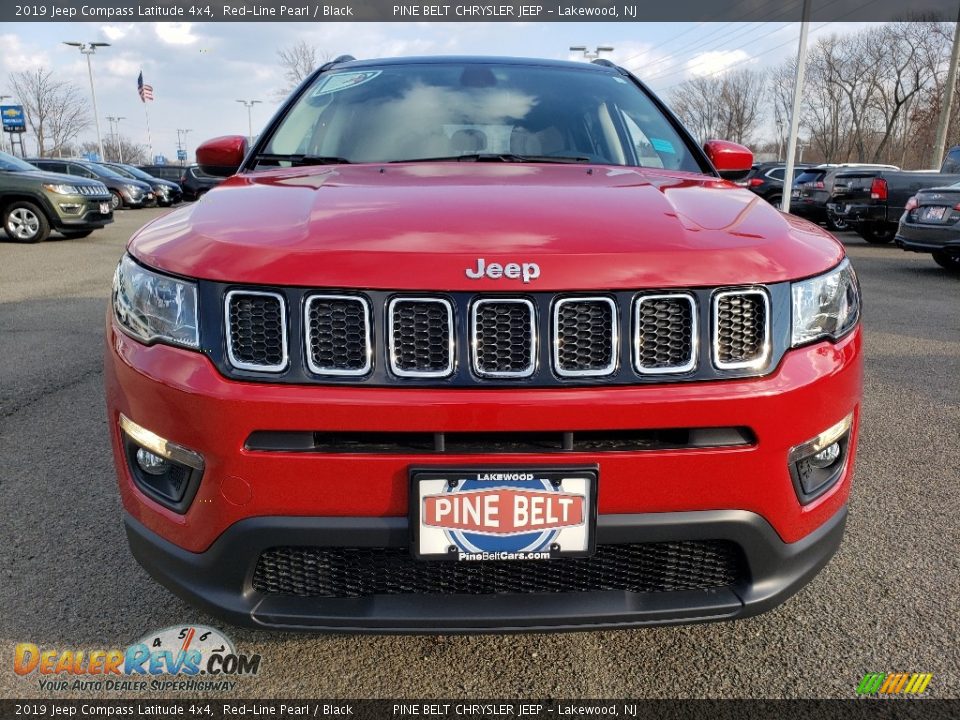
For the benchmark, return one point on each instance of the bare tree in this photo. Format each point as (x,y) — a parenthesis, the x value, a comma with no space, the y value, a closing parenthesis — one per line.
(724,106)
(298,61)
(56,110)
(133,152)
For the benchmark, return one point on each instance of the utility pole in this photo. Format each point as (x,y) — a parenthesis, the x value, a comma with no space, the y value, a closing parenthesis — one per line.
(89,49)
(795,112)
(182,144)
(249,105)
(116,134)
(939,145)
(588,54)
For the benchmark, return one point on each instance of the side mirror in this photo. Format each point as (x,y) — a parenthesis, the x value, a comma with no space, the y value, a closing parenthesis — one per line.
(731,160)
(222,156)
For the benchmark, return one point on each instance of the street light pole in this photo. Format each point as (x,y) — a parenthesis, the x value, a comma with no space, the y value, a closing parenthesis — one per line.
(89,49)
(591,55)
(182,145)
(249,105)
(2,146)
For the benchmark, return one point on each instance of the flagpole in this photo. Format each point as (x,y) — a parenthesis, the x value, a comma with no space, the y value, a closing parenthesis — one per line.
(149,138)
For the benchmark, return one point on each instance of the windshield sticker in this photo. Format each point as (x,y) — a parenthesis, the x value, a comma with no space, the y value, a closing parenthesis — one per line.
(662,145)
(345,81)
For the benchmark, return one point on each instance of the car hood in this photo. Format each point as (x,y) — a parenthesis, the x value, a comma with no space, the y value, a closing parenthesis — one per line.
(422,225)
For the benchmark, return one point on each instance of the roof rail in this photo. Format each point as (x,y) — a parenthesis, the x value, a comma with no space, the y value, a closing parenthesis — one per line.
(342,58)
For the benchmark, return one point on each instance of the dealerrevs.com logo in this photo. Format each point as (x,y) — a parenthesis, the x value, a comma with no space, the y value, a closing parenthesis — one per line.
(180,658)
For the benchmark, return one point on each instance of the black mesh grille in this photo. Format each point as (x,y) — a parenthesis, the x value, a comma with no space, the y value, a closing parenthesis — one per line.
(665,338)
(584,336)
(256,330)
(741,327)
(337,337)
(421,336)
(504,338)
(362,572)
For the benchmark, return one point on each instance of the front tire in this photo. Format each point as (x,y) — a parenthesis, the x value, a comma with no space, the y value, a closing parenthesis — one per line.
(24,222)
(116,200)
(947,261)
(835,224)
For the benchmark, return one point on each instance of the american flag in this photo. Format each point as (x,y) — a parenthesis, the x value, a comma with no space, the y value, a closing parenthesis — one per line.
(146,91)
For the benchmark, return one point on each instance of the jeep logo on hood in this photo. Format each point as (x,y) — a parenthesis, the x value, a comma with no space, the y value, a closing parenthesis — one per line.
(512,271)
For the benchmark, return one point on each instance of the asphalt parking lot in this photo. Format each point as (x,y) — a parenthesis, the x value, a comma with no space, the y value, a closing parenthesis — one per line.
(890,601)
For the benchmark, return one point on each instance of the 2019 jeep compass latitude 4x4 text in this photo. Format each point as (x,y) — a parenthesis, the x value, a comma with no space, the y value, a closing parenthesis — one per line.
(474,344)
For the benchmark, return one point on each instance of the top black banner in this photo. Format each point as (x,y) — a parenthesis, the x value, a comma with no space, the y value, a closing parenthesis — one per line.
(477,11)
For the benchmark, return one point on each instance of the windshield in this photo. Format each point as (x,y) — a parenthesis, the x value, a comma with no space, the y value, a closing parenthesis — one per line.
(133,172)
(103,171)
(477,111)
(14,164)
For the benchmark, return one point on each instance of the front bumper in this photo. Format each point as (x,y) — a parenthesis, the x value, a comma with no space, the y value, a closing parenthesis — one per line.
(89,216)
(219,579)
(249,500)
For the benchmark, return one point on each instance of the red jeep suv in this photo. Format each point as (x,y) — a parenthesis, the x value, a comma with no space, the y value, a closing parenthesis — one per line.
(481,344)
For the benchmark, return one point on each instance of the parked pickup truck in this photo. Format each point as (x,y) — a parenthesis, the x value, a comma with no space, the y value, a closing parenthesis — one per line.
(872,201)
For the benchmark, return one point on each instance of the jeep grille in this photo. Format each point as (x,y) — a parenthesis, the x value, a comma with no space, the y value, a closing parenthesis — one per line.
(741,328)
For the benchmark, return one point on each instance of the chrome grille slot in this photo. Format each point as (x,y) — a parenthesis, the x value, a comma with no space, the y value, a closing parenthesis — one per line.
(585,336)
(665,334)
(420,332)
(256,330)
(338,335)
(741,329)
(503,337)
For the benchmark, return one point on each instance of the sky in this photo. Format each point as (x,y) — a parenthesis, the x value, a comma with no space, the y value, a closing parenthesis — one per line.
(199,70)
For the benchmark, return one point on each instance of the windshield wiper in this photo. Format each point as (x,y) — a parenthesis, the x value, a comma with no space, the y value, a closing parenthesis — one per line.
(298,160)
(500,157)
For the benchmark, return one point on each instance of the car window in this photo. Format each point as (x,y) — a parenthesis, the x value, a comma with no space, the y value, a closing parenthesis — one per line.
(777,173)
(79,171)
(951,164)
(437,110)
(810,176)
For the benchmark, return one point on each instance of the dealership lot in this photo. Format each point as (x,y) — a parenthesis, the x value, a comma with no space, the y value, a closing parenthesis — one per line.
(888,602)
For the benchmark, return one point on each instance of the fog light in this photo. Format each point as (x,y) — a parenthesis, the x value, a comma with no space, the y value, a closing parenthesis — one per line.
(817,464)
(826,457)
(150,463)
(163,470)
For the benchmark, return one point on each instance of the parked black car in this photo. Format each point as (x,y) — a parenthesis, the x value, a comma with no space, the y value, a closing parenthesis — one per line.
(766,180)
(873,202)
(814,188)
(195,182)
(124,191)
(173,173)
(931,224)
(166,192)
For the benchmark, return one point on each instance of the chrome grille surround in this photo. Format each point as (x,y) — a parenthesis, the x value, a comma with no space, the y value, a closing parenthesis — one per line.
(477,342)
(394,351)
(638,329)
(556,330)
(235,361)
(721,312)
(310,332)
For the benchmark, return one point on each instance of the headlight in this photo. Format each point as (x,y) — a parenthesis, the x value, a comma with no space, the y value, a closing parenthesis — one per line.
(134,190)
(152,307)
(826,306)
(62,189)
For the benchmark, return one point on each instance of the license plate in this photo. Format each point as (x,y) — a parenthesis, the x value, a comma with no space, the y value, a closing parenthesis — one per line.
(488,514)
(933,214)
(104,208)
